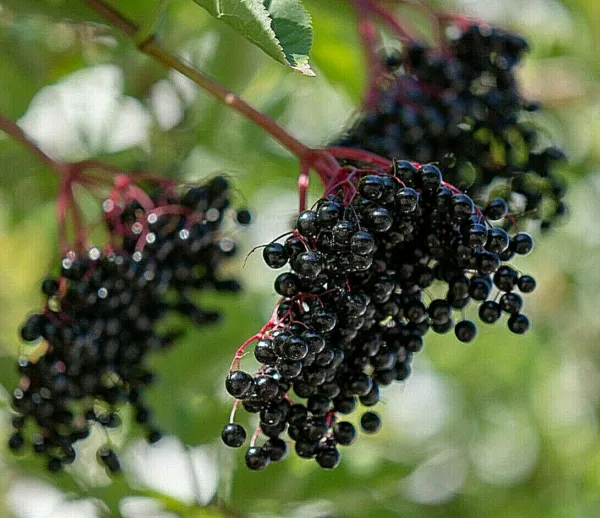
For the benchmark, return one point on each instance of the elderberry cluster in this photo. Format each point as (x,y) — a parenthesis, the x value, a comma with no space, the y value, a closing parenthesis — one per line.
(100,319)
(359,300)
(460,105)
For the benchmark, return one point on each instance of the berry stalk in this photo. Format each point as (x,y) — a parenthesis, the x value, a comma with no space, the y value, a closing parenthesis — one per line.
(12,129)
(151,48)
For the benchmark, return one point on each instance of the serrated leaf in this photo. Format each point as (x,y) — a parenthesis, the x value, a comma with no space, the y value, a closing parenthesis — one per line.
(281,28)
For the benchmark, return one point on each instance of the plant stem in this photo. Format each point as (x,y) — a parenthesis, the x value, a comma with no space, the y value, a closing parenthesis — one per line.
(151,48)
(10,128)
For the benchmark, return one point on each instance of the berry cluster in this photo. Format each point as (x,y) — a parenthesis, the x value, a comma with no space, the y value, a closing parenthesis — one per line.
(460,105)
(356,304)
(101,315)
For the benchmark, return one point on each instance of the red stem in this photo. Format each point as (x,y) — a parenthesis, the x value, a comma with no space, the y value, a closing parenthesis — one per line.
(346,153)
(151,48)
(10,128)
(388,18)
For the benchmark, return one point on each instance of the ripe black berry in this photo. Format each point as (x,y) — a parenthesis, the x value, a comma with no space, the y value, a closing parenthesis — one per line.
(465,331)
(257,458)
(233,435)
(238,384)
(328,458)
(275,255)
(370,422)
(518,324)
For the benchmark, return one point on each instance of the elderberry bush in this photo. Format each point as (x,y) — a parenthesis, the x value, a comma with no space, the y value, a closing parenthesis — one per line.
(460,105)
(357,304)
(102,315)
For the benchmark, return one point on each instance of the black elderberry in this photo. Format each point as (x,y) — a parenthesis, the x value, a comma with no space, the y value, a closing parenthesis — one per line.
(308,264)
(431,177)
(239,384)
(370,422)
(271,414)
(404,170)
(257,458)
(518,324)
(526,284)
(308,223)
(477,236)
(462,207)
(371,187)
(344,433)
(505,278)
(306,448)
(465,331)
(287,284)
(511,303)
(233,435)
(266,388)
(275,255)
(407,200)
(324,321)
(497,241)
(328,213)
(522,243)
(496,209)
(439,311)
(490,312)
(379,219)
(362,243)
(328,458)
(276,449)
(480,287)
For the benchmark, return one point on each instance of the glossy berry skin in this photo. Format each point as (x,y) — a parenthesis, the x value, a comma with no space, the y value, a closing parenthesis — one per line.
(276,449)
(370,422)
(257,458)
(522,243)
(328,458)
(308,264)
(496,209)
(233,435)
(275,255)
(518,324)
(307,223)
(344,433)
(511,303)
(238,384)
(526,284)
(490,312)
(407,200)
(287,284)
(465,331)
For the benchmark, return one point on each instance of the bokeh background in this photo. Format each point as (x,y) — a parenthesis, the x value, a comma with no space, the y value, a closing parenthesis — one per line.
(505,426)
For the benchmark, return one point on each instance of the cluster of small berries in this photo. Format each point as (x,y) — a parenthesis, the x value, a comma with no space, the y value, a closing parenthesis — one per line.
(460,105)
(357,304)
(100,319)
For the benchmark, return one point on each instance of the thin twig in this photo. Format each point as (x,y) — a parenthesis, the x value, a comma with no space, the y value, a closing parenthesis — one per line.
(10,128)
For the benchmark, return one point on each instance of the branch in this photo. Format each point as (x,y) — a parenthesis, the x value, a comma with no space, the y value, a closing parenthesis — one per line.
(10,128)
(151,48)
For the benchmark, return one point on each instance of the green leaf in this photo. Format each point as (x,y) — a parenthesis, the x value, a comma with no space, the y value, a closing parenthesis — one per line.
(281,28)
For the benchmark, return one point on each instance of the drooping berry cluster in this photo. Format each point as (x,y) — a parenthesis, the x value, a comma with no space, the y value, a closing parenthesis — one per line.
(356,305)
(460,105)
(100,319)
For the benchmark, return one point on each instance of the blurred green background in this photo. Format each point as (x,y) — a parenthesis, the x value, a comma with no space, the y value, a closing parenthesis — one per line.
(505,426)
